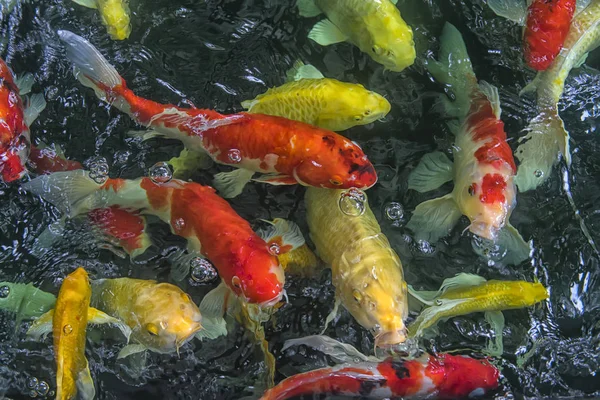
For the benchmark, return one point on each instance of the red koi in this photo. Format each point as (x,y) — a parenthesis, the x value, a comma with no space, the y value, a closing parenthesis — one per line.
(442,376)
(287,151)
(45,160)
(546,28)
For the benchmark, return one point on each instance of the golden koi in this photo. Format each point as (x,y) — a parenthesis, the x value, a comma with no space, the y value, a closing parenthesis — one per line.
(114,15)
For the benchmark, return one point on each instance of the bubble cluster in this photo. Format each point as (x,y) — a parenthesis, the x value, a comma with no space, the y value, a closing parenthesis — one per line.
(38,388)
(353,202)
(98,167)
(202,271)
(160,172)
(395,213)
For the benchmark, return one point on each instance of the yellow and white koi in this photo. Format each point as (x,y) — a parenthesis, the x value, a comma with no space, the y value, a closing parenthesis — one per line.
(115,16)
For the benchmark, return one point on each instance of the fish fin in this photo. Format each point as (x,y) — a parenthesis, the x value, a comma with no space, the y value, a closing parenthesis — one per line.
(248,104)
(35,105)
(341,352)
(540,149)
(326,33)
(394,2)
(188,162)
(303,71)
(461,280)
(213,307)
(231,184)
(331,316)
(433,171)
(45,241)
(212,328)
(491,92)
(533,85)
(517,249)
(24,83)
(454,69)
(430,316)
(97,317)
(496,320)
(276,179)
(308,8)
(91,68)
(87,3)
(41,327)
(85,383)
(63,189)
(285,233)
(131,349)
(435,218)
(145,134)
(581,5)
(423,296)
(514,10)
(581,61)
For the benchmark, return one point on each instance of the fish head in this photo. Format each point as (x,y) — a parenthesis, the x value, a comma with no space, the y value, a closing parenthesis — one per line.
(392,44)
(115,16)
(353,105)
(466,377)
(338,164)
(524,294)
(261,278)
(374,291)
(168,316)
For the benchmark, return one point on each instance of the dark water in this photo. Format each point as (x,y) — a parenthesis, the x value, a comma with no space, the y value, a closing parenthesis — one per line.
(218,53)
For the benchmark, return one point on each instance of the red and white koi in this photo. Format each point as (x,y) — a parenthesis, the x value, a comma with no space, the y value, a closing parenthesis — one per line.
(287,152)
(484,168)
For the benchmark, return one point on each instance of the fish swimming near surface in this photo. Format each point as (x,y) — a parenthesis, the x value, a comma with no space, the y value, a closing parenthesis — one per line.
(327,103)
(195,212)
(366,271)
(287,152)
(466,294)
(115,15)
(484,168)
(68,322)
(15,119)
(439,376)
(374,26)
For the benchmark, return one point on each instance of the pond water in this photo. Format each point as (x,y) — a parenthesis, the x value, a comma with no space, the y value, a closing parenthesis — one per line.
(216,54)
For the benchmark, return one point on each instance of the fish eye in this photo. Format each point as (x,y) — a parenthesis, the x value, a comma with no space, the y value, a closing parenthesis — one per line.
(358,118)
(357,295)
(336,180)
(472,189)
(367,112)
(152,329)
(235,281)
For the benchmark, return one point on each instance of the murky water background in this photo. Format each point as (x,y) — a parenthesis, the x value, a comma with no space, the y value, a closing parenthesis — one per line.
(215,54)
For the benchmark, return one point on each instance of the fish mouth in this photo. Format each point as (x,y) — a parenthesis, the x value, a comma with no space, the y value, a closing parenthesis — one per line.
(273,301)
(390,338)
(484,230)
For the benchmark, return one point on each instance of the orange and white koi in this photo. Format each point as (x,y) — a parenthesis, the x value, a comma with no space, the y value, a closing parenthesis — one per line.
(484,168)
(287,152)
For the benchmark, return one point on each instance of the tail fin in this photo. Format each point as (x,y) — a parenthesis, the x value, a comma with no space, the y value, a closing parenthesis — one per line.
(91,68)
(454,69)
(545,141)
(66,190)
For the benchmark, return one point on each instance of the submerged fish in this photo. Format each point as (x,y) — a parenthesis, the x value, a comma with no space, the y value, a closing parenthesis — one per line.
(161,316)
(288,152)
(374,26)
(15,120)
(484,168)
(441,376)
(327,103)
(547,138)
(67,322)
(115,16)
(467,293)
(366,271)
(212,228)
(45,160)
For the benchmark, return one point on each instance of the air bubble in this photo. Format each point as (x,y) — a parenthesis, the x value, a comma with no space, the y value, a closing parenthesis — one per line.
(51,93)
(538,173)
(33,393)
(4,292)
(179,224)
(234,155)
(202,271)
(425,247)
(43,388)
(32,382)
(353,202)
(160,172)
(98,167)
(274,249)
(394,212)
(67,329)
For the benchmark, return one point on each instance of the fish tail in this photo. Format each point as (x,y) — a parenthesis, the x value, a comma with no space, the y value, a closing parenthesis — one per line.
(90,67)
(454,69)
(69,191)
(541,148)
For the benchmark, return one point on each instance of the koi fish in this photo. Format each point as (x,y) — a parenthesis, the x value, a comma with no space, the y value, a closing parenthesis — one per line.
(327,103)
(15,120)
(466,294)
(288,152)
(67,322)
(115,16)
(546,26)
(161,316)
(45,160)
(25,300)
(484,168)
(366,271)
(374,26)
(193,211)
(441,376)
(547,139)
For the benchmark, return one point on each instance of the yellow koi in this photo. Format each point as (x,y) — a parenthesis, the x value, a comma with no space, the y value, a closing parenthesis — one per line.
(366,271)
(114,15)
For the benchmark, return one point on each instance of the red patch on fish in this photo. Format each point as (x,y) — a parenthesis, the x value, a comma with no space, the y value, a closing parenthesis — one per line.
(114,184)
(126,226)
(46,161)
(547,26)
(492,189)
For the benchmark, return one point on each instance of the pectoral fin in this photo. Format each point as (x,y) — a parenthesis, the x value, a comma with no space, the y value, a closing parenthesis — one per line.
(85,383)
(231,184)
(331,316)
(276,179)
(41,327)
(97,317)
(145,134)
(24,83)
(496,320)
(341,352)
(131,349)
(308,8)
(326,33)
(302,71)
(517,249)
(213,308)
(434,219)
(514,10)
(87,3)
(189,162)
(285,234)
(35,106)
(433,171)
